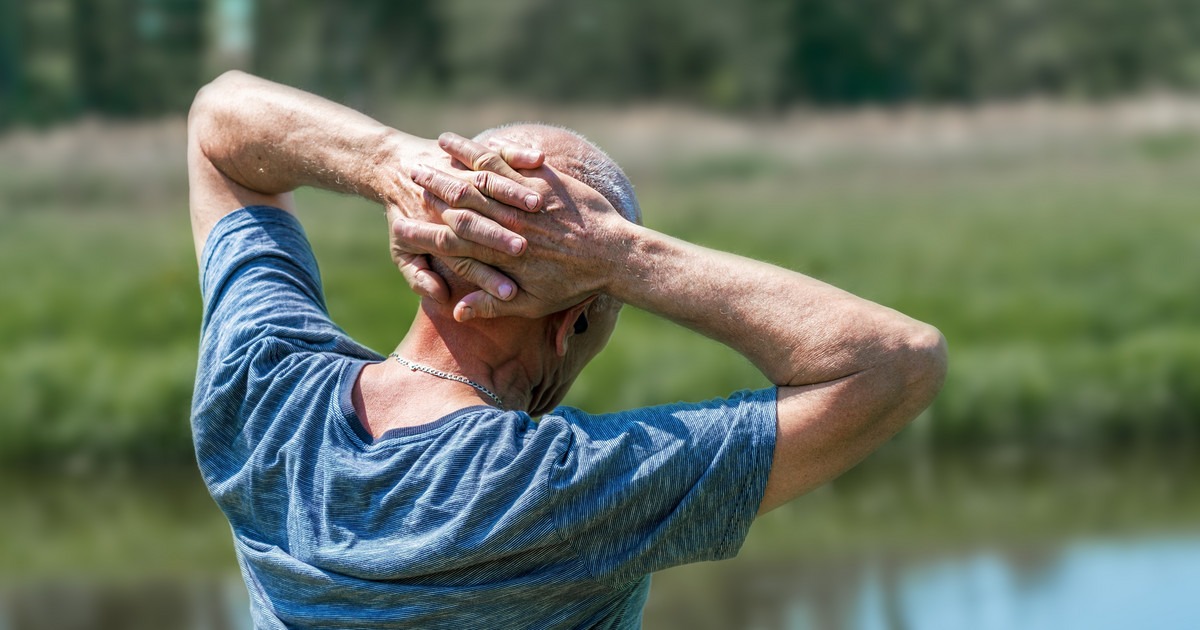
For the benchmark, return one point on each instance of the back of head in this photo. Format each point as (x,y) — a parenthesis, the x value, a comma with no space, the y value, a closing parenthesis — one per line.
(568,151)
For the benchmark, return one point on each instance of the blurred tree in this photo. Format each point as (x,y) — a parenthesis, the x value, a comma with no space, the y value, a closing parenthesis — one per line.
(357,53)
(137,57)
(104,53)
(44,84)
(11,62)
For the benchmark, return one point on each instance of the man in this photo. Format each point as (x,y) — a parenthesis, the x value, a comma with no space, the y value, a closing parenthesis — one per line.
(417,490)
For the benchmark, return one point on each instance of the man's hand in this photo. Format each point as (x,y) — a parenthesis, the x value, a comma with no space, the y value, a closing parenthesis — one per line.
(416,216)
(252,141)
(567,256)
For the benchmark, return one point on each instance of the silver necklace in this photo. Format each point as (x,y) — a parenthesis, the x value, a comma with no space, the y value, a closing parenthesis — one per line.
(448,376)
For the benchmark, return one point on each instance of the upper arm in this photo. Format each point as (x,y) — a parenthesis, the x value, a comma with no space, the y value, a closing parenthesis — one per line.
(211,193)
(641,490)
(824,429)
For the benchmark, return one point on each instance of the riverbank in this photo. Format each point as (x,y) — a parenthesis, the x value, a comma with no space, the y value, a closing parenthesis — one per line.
(1051,253)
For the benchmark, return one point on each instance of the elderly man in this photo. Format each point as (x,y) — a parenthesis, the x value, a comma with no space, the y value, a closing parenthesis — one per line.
(419,490)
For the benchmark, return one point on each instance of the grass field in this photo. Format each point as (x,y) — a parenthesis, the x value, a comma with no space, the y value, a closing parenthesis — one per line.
(1064,277)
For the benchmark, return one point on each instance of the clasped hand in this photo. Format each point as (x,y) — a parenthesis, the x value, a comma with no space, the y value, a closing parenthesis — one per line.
(549,233)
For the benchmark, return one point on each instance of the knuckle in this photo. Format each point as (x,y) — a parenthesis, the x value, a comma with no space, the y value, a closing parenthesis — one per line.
(423,177)
(405,231)
(457,193)
(442,241)
(411,275)
(485,160)
(493,161)
(512,192)
(463,267)
(483,180)
(458,220)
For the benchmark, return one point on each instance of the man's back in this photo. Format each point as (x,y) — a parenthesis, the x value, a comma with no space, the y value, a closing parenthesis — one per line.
(482,515)
(490,519)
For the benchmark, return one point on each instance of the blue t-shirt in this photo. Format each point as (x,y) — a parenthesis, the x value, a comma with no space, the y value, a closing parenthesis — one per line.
(483,518)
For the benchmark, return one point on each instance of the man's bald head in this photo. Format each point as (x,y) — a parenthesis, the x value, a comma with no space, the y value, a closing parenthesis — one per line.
(568,151)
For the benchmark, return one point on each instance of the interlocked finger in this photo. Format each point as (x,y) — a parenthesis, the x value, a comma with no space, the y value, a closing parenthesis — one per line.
(494,283)
(505,191)
(481,304)
(515,155)
(475,156)
(431,238)
(455,192)
(423,280)
(481,230)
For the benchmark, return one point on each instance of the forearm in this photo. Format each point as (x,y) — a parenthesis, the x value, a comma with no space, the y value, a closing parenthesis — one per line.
(273,139)
(795,329)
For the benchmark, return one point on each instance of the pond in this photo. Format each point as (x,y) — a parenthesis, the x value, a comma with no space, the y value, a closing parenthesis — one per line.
(916,542)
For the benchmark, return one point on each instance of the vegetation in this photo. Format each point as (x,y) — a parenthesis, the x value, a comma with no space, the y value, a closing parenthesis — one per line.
(1059,278)
(60,58)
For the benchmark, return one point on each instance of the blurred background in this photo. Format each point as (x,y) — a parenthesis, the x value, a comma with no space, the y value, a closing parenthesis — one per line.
(1022,174)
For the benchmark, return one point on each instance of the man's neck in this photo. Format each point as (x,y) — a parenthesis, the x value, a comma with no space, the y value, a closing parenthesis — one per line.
(485,354)
(505,356)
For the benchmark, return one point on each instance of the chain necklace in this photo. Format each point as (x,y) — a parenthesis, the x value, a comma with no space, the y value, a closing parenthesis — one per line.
(448,376)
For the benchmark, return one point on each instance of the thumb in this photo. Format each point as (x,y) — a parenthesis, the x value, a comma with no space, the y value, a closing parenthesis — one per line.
(423,280)
(477,304)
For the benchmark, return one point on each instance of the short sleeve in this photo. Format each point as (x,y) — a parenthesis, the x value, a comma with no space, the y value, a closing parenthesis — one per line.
(651,488)
(265,331)
(257,267)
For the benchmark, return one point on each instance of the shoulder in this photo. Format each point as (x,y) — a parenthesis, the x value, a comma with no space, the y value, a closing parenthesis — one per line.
(679,419)
(644,489)
(677,439)
(252,232)
(258,260)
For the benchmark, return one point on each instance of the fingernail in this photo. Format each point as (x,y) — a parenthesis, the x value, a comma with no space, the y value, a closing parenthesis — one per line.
(516,246)
(531,201)
(506,291)
(465,313)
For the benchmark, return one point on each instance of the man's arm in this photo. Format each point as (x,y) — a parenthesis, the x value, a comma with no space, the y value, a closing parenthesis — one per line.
(851,373)
(251,141)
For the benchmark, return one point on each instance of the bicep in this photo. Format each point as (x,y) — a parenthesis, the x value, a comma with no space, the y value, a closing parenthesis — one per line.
(212,194)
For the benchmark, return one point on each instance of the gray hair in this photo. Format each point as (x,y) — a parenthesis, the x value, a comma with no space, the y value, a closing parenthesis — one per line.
(589,164)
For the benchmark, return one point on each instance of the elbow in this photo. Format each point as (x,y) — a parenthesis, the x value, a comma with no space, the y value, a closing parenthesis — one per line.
(925,364)
(206,106)
(207,96)
(218,89)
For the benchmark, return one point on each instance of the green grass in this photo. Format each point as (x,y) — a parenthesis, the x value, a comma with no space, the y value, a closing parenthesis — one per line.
(1064,281)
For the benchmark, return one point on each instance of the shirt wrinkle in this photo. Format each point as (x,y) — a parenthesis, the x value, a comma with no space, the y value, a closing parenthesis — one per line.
(486,520)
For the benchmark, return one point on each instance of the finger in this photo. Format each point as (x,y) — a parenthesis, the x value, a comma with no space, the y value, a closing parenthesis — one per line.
(479,190)
(475,156)
(431,238)
(506,191)
(516,155)
(493,282)
(423,280)
(454,191)
(478,304)
(483,231)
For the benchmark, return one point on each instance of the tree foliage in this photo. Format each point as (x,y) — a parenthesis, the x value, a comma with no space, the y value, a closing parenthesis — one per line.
(136,57)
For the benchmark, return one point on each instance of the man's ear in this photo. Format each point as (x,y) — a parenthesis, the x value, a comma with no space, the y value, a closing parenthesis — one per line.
(564,324)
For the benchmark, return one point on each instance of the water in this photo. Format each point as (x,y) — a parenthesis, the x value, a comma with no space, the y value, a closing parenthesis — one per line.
(921,544)
(1148,582)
